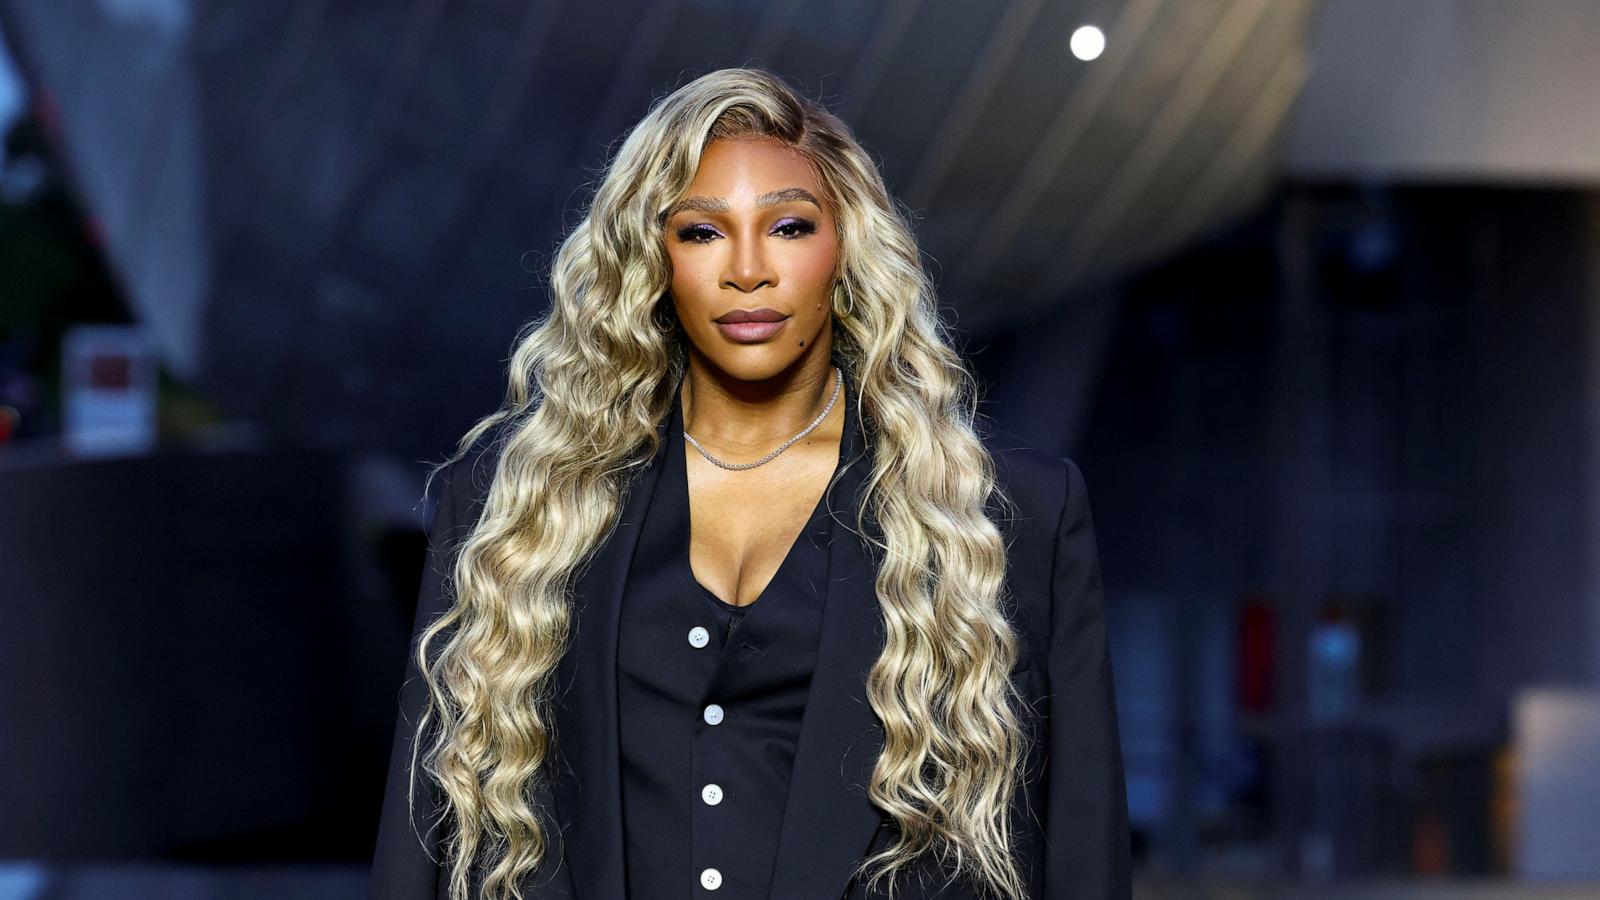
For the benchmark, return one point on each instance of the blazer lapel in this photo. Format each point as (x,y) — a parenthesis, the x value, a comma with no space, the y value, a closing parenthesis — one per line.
(588,796)
(828,822)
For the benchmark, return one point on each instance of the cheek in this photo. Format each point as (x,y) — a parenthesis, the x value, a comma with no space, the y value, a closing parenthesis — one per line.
(689,275)
(812,266)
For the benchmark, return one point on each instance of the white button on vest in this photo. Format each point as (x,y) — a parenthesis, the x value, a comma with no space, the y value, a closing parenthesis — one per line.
(711,794)
(710,879)
(699,637)
(713,714)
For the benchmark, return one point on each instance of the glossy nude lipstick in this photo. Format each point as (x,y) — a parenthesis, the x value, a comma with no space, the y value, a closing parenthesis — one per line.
(751,326)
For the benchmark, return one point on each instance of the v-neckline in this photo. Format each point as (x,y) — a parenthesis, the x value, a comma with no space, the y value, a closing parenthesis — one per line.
(783,564)
(681,453)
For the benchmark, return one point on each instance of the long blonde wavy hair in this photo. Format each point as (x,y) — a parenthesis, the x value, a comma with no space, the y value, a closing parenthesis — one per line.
(589,382)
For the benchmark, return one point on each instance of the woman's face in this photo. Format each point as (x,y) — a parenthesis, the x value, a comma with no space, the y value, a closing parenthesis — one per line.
(752,236)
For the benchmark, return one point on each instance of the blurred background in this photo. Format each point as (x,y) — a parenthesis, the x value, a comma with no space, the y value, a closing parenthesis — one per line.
(1310,290)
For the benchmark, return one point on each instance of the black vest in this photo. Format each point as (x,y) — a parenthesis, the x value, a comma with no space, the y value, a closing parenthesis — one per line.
(710,699)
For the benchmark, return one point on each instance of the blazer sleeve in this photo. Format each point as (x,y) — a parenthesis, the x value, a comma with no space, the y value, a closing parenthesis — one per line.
(405,862)
(1087,852)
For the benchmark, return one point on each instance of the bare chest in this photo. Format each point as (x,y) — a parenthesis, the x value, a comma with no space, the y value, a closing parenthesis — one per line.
(742,526)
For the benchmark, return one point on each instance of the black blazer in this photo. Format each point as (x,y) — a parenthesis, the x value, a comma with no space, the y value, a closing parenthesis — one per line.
(1070,815)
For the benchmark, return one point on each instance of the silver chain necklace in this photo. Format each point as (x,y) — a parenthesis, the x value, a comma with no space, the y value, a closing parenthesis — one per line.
(838,379)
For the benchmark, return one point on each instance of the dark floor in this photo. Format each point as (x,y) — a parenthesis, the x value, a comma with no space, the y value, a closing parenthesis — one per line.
(30,881)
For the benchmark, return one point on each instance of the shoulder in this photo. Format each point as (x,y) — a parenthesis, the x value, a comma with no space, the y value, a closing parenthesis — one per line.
(464,482)
(1037,488)
(1036,482)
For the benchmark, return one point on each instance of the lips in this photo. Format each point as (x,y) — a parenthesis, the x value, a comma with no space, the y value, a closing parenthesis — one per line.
(737,316)
(751,326)
(751,332)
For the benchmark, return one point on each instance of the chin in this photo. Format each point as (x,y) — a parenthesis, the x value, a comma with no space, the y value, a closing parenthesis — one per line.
(752,364)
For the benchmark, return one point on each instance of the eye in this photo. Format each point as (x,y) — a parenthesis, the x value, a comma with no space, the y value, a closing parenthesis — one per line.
(795,228)
(696,234)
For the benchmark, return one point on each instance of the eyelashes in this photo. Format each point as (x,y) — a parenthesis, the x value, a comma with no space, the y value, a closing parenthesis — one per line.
(791,228)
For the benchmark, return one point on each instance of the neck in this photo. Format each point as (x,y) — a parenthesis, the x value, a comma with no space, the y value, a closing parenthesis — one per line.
(751,417)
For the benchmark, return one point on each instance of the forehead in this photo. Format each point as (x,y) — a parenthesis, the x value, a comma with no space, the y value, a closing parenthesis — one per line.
(748,166)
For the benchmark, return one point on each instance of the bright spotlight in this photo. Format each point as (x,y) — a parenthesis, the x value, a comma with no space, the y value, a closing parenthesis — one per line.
(1088,43)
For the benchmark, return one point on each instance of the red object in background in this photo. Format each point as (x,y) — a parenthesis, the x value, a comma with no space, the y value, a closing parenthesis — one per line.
(8,423)
(1255,675)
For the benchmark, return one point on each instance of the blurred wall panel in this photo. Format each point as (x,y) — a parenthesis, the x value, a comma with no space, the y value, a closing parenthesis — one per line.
(1557,735)
(188,671)
(1436,89)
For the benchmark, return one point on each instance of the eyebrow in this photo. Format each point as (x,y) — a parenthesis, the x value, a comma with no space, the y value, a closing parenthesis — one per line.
(718,205)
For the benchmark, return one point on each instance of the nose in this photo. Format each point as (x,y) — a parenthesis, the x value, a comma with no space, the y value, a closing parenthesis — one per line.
(748,264)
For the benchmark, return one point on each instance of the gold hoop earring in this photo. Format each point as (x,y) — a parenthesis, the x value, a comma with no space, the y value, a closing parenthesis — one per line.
(845,314)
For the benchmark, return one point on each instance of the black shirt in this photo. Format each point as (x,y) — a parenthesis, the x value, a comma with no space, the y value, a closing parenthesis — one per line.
(703,794)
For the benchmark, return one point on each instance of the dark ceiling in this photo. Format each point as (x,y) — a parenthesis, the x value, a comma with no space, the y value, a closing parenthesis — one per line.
(333,215)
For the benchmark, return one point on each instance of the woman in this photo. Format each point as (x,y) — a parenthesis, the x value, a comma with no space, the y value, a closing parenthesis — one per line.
(731,599)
